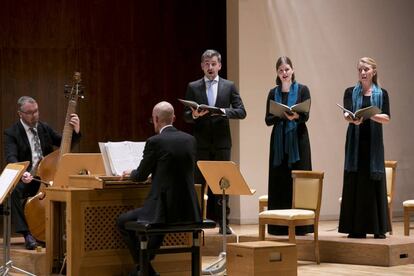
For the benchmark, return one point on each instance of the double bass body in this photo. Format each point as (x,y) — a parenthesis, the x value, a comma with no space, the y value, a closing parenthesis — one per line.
(35,209)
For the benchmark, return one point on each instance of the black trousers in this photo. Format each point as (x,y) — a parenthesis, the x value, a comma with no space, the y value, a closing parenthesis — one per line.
(19,196)
(130,238)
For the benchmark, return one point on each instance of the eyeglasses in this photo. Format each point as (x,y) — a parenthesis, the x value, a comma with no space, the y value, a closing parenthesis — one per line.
(150,121)
(30,113)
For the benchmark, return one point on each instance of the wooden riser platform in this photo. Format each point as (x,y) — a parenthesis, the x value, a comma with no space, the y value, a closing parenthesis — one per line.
(33,261)
(213,242)
(334,248)
(168,265)
(392,251)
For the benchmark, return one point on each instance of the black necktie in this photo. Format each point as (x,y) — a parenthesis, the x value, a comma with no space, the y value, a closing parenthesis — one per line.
(37,147)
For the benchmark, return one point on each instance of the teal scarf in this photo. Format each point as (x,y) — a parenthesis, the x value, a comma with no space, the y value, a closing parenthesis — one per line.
(376,96)
(291,147)
(352,142)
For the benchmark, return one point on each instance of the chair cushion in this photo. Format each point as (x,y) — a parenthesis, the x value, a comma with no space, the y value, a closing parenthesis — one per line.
(263,198)
(146,227)
(290,214)
(408,203)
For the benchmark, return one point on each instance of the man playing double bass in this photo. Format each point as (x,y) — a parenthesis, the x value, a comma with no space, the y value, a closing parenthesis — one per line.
(30,140)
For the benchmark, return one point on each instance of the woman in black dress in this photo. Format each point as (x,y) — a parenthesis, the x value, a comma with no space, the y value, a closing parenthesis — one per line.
(289,142)
(364,193)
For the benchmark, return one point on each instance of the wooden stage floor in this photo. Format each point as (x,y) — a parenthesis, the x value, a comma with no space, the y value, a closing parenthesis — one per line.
(327,230)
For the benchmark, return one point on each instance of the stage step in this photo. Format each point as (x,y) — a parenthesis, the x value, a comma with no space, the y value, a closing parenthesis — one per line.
(213,242)
(392,251)
(33,261)
(334,248)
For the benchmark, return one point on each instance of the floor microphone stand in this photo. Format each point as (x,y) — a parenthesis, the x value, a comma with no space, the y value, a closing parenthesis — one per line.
(219,175)
(218,267)
(8,263)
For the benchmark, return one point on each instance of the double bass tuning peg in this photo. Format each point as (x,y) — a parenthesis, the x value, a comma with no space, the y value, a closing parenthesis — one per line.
(70,90)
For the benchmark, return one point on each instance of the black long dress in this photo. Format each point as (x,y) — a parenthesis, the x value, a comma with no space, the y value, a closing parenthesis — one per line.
(280,178)
(364,207)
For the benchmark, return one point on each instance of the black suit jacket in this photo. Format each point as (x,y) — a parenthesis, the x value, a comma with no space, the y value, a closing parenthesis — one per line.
(17,146)
(170,158)
(213,132)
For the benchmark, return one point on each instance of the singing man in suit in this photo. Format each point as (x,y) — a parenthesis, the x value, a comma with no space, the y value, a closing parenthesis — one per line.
(170,158)
(30,140)
(212,131)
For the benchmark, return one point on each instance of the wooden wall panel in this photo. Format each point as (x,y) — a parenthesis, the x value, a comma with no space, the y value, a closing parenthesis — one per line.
(131,54)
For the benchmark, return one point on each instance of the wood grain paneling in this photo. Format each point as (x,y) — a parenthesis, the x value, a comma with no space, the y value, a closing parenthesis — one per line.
(131,54)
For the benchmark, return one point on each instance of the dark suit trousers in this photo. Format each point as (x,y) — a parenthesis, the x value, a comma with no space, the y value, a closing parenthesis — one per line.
(19,196)
(214,203)
(130,238)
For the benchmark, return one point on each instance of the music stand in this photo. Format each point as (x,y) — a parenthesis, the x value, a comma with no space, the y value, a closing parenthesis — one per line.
(223,177)
(9,178)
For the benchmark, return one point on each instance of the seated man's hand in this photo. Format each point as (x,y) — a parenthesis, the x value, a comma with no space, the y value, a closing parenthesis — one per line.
(126,174)
(27,177)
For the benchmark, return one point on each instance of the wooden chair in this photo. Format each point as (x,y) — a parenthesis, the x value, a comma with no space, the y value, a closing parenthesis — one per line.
(390,174)
(262,203)
(408,210)
(306,204)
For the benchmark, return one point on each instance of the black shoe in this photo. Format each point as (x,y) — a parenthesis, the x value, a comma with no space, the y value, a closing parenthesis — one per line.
(379,236)
(228,230)
(41,243)
(30,242)
(357,236)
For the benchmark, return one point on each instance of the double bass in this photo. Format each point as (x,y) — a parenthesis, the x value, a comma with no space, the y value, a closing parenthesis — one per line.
(35,209)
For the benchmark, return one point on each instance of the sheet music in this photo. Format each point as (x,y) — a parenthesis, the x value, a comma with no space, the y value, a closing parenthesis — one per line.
(123,156)
(107,165)
(7,179)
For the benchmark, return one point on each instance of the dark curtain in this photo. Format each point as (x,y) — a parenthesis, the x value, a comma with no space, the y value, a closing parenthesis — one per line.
(132,54)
